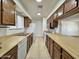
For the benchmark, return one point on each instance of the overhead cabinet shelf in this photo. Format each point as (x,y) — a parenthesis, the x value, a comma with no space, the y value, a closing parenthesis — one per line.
(7,12)
(68,8)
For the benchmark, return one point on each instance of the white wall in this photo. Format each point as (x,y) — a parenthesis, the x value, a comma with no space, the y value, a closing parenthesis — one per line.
(38,27)
(69,25)
(31,28)
(44,24)
(70,28)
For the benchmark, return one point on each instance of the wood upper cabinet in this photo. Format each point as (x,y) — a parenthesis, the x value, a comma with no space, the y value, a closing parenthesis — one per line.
(0,17)
(7,12)
(27,22)
(70,4)
(12,54)
(8,5)
(60,11)
(65,55)
(0,12)
(55,15)
(55,23)
(8,18)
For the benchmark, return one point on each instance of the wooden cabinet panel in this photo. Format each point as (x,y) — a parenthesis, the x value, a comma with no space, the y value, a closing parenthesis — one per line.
(0,17)
(12,54)
(0,11)
(65,55)
(61,11)
(70,4)
(27,22)
(57,51)
(29,42)
(51,48)
(7,12)
(8,17)
(8,5)
(46,41)
(55,23)
(50,45)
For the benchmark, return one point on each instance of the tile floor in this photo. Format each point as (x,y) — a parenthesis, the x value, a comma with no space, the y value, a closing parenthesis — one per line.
(38,50)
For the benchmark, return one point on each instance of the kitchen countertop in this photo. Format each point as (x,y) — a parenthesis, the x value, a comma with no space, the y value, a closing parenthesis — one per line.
(8,42)
(68,43)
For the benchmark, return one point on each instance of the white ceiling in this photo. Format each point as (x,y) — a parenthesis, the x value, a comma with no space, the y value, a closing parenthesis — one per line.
(31,7)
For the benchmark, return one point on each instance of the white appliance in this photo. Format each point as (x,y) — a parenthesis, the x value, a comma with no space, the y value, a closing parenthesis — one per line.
(22,49)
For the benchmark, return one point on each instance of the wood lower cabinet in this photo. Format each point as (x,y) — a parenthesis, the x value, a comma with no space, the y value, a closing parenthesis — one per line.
(65,55)
(49,44)
(51,49)
(29,42)
(12,54)
(55,51)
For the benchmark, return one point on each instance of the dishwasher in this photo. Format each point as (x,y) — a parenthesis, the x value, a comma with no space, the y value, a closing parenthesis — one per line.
(22,49)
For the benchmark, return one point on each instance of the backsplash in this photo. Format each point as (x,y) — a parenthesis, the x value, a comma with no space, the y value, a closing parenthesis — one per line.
(69,26)
(14,30)
(3,31)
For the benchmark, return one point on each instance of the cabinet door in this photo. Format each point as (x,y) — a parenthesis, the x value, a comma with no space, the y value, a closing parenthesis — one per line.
(0,11)
(70,4)
(8,4)
(26,23)
(8,17)
(29,42)
(51,48)
(61,10)
(0,17)
(8,12)
(12,54)
(55,23)
(48,44)
(57,51)
(65,55)
(46,41)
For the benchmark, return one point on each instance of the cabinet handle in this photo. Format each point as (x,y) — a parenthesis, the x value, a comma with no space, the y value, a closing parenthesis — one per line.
(7,56)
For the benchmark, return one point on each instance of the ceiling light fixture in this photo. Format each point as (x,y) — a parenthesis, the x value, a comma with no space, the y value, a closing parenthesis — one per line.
(38,14)
(39,0)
